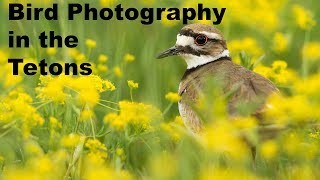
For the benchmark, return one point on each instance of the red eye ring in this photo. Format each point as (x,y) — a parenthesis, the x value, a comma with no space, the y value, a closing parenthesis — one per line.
(201,40)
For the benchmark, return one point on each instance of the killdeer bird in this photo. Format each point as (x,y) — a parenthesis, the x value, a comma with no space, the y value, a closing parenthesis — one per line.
(206,54)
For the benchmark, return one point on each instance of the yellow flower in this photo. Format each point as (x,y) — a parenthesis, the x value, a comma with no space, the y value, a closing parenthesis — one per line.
(102,68)
(221,138)
(309,86)
(115,121)
(53,91)
(107,3)
(269,149)
(12,80)
(51,51)
(89,97)
(280,42)
(54,123)
(311,51)
(73,52)
(3,57)
(97,150)
(16,107)
(290,110)
(173,97)
(86,114)
(109,86)
(80,58)
(147,2)
(120,153)
(248,44)
(244,122)
(171,130)
(117,71)
(132,84)
(278,72)
(138,115)
(102,58)
(32,148)
(70,140)
(218,172)
(304,18)
(44,164)
(178,120)
(278,65)
(94,144)
(95,171)
(315,135)
(129,57)
(166,22)
(164,166)
(91,43)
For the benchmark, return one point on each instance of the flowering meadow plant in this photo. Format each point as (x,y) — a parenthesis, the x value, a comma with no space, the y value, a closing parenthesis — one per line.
(122,121)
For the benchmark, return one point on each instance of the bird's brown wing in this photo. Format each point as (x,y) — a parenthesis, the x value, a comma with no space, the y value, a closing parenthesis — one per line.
(245,87)
(250,97)
(250,91)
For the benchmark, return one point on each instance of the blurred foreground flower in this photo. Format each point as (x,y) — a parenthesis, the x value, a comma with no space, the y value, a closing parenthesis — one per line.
(280,42)
(107,3)
(311,51)
(129,57)
(278,72)
(91,43)
(291,110)
(51,51)
(102,58)
(304,18)
(71,140)
(223,138)
(117,71)
(269,149)
(97,150)
(173,97)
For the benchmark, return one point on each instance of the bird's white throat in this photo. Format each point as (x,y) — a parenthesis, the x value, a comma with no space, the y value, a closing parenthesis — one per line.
(194,61)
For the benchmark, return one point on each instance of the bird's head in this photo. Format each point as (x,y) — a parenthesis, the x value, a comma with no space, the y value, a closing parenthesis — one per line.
(198,44)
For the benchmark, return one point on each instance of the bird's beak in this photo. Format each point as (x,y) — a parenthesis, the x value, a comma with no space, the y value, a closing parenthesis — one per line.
(170,52)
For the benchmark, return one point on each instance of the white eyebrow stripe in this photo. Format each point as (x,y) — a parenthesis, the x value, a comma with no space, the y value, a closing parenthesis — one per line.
(211,35)
(183,40)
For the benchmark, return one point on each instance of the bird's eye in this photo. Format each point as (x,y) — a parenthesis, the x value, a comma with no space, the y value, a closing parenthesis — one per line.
(201,40)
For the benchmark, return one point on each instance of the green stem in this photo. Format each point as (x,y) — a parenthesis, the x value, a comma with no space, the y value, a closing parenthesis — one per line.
(305,67)
(167,109)
(78,120)
(6,132)
(89,54)
(9,124)
(92,128)
(131,95)
(43,105)
(108,107)
(108,101)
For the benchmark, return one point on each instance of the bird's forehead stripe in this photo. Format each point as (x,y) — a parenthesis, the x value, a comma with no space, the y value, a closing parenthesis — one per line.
(211,35)
(187,32)
(183,40)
